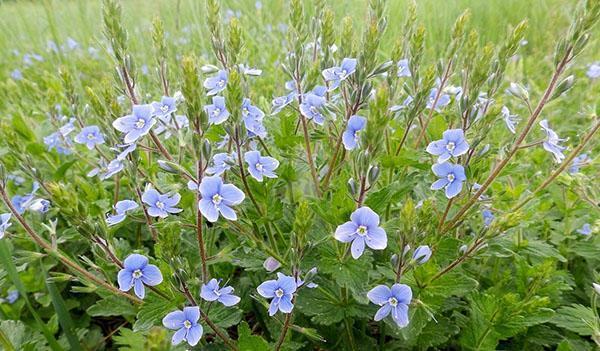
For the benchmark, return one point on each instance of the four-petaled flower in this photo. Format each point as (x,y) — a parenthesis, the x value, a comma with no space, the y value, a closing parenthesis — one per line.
(453,143)
(311,107)
(137,124)
(136,273)
(509,120)
(186,324)
(165,107)
(488,217)
(221,162)
(351,136)
(260,166)
(551,144)
(281,291)
(422,254)
(211,292)
(121,209)
(394,301)
(253,117)
(403,68)
(4,223)
(443,100)
(335,75)
(217,83)
(586,229)
(451,178)
(578,162)
(160,205)
(363,228)
(217,198)
(217,112)
(90,136)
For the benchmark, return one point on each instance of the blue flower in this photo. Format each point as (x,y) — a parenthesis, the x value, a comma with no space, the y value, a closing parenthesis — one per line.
(593,71)
(211,292)
(335,75)
(217,112)
(105,171)
(260,166)
(551,144)
(271,264)
(253,118)
(186,324)
(311,107)
(4,223)
(351,135)
(453,143)
(443,100)
(90,136)
(165,107)
(137,124)
(451,178)
(403,68)
(217,198)
(217,83)
(363,228)
(579,161)
(30,202)
(16,74)
(282,101)
(121,209)
(586,229)
(394,301)
(488,217)
(136,273)
(509,119)
(169,124)
(161,205)
(12,296)
(422,254)
(222,162)
(281,291)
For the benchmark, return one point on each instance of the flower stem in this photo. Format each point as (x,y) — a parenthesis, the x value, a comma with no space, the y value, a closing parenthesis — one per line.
(286,327)
(199,233)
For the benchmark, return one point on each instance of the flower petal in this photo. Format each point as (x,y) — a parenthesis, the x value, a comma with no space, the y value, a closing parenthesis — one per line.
(358,246)
(151,275)
(267,288)
(194,335)
(135,261)
(383,312)
(379,295)
(174,320)
(345,232)
(402,293)
(376,238)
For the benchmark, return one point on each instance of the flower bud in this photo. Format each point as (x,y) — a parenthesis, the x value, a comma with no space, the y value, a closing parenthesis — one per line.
(422,254)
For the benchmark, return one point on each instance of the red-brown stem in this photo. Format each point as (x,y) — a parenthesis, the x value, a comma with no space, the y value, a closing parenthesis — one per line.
(243,174)
(286,327)
(311,164)
(446,211)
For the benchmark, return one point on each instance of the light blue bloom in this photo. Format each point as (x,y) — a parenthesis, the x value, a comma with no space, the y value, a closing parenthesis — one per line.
(404,68)
(393,301)
(217,198)
(30,202)
(161,205)
(351,136)
(586,229)
(271,264)
(127,149)
(217,83)
(72,44)
(253,118)
(552,142)
(280,102)
(137,124)
(593,71)
(4,223)
(12,296)
(222,162)
(509,120)
(90,137)
(452,144)
(451,178)
(335,75)
(311,107)
(186,324)
(443,100)
(211,292)
(578,162)
(169,124)
(121,209)
(488,217)
(217,112)
(222,144)
(136,273)
(281,291)
(260,166)
(363,228)
(165,107)
(422,254)
(16,74)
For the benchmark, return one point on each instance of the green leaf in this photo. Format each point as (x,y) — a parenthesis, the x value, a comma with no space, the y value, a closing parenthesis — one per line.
(112,306)
(249,342)
(152,312)
(576,318)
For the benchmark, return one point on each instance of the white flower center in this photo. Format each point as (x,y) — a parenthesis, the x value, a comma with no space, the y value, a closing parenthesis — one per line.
(450,177)
(90,136)
(362,230)
(216,111)
(259,166)
(187,324)
(137,274)
(217,292)
(160,205)
(221,83)
(164,108)
(140,123)
(393,301)
(279,293)
(245,111)
(450,146)
(216,199)
(314,110)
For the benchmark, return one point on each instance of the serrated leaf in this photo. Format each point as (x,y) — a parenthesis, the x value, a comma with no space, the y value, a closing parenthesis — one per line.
(249,342)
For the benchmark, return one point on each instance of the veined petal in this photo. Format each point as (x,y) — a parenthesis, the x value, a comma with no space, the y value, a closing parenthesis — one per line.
(267,288)
(345,232)
(376,238)
(383,312)
(358,246)
(174,320)
(151,275)
(379,295)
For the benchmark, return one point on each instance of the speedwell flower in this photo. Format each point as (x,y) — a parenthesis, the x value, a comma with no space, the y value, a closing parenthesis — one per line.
(281,291)
(90,136)
(311,107)
(217,198)
(421,254)
(186,324)
(578,162)
(137,124)
(136,273)
(121,209)
(161,205)
(488,217)
(403,68)
(211,292)
(351,136)
(451,178)
(4,223)
(443,100)
(260,166)
(509,120)
(217,112)
(335,75)
(394,301)
(221,162)
(363,228)
(216,83)
(453,143)
(586,229)
(165,107)
(551,144)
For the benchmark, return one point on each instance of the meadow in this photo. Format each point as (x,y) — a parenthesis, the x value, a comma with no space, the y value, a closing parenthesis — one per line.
(299,175)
